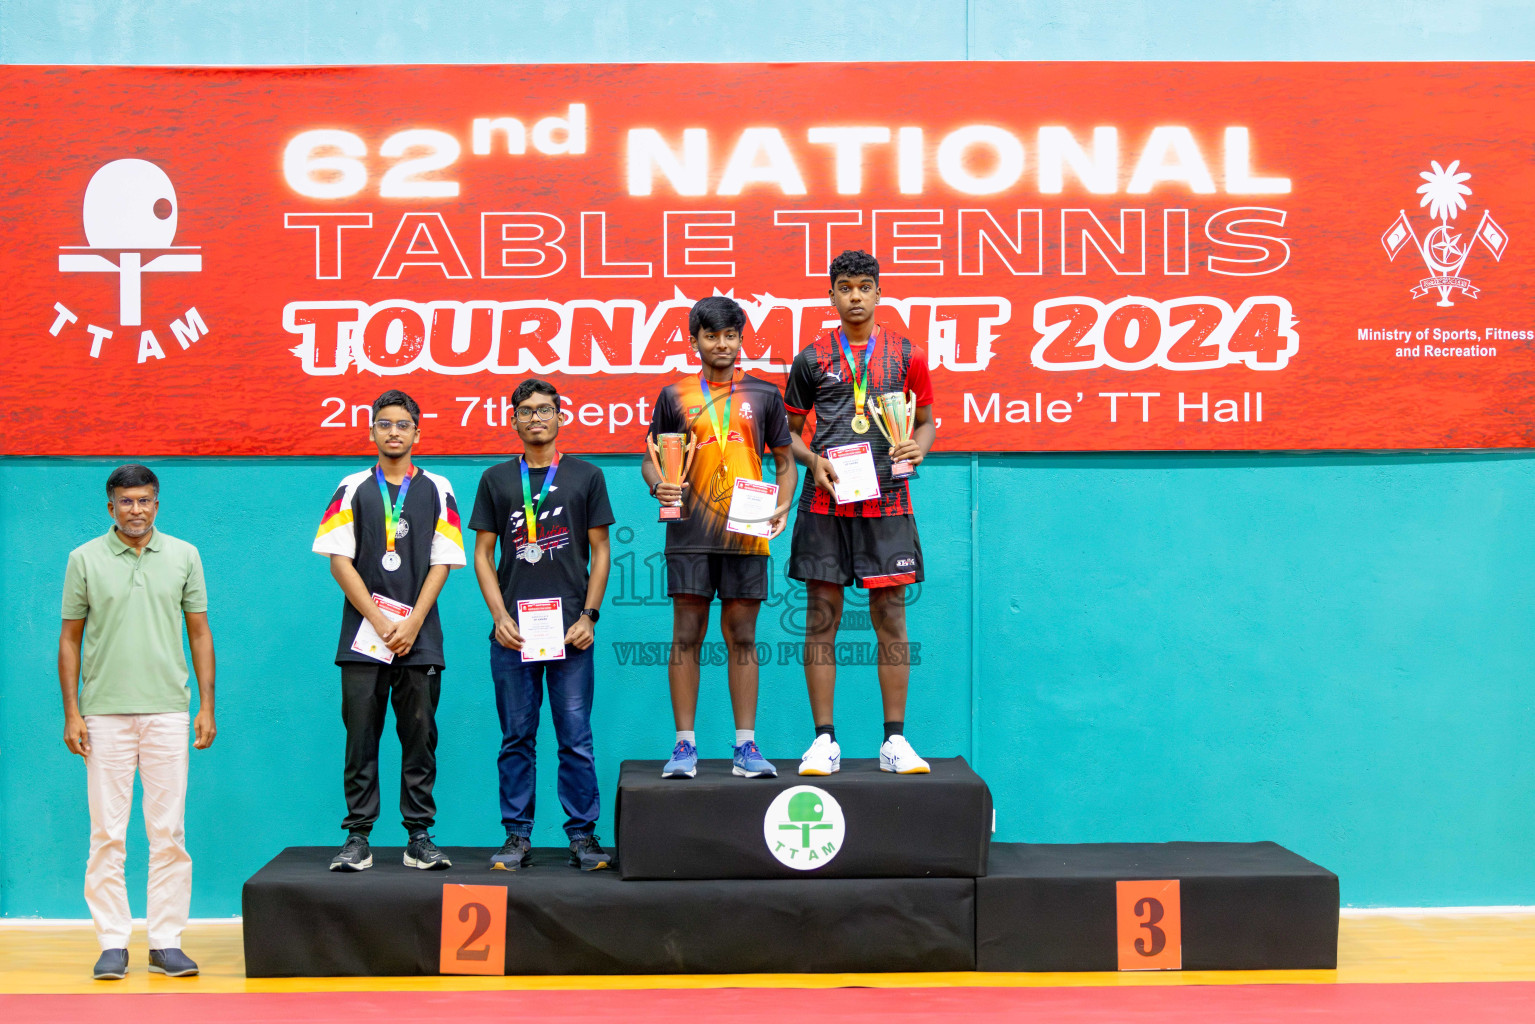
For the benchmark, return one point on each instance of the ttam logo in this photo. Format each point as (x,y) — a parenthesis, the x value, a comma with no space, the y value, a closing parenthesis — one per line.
(804,827)
(130,215)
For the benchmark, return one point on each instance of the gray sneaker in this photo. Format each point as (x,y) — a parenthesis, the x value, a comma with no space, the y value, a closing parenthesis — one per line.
(354,856)
(587,853)
(516,853)
(172,963)
(423,853)
(112,965)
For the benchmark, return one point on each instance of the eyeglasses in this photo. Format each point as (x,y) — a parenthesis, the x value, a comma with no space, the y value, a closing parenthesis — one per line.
(406,426)
(543,412)
(130,504)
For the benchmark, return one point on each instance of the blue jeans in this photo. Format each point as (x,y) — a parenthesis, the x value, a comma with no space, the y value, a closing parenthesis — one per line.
(519,696)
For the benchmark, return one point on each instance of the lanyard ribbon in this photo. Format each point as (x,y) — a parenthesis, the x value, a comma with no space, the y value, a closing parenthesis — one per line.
(720,433)
(860,377)
(530,509)
(391,511)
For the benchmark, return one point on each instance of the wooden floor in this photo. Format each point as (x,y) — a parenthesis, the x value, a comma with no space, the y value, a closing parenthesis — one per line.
(48,959)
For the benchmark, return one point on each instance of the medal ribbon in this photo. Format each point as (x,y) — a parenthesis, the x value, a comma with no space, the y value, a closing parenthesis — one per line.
(391,511)
(860,378)
(720,433)
(530,509)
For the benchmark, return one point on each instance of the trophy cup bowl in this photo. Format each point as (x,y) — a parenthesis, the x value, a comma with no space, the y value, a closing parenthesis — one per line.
(672,457)
(895,414)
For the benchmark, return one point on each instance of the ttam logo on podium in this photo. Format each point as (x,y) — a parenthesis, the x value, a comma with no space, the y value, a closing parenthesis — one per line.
(804,827)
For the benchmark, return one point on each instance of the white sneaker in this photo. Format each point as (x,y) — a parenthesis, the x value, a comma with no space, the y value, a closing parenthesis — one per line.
(823,757)
(896,755)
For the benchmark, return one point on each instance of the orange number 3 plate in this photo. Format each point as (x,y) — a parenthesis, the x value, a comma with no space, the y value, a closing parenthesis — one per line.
(1150,926)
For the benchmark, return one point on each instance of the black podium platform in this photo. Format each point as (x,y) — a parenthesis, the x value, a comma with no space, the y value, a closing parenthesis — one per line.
(716,826)
(304,920)
(1244,906)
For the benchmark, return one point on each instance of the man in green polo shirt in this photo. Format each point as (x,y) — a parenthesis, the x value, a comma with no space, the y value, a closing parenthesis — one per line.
(126,710)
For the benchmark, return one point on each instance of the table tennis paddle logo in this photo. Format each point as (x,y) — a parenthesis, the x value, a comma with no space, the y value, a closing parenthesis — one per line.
(804,827)
(130,214)
(1444,251)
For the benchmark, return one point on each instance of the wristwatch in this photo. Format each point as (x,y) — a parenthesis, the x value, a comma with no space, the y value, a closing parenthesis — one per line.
(653,488)
(592,612)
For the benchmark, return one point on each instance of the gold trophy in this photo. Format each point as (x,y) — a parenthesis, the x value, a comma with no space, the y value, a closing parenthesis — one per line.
(895,414)
(672,460)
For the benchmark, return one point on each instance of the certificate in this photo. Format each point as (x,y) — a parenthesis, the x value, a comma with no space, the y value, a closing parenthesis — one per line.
(368,641)
(854,466)
(752,503)
(542,625)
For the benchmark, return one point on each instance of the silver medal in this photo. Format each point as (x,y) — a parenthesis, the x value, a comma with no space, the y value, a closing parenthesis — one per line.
(532,551)
(391,560)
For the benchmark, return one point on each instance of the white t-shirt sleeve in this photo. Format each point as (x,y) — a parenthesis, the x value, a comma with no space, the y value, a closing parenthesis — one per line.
(448,536)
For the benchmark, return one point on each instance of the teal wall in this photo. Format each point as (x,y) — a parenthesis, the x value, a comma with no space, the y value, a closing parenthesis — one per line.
(1330,651)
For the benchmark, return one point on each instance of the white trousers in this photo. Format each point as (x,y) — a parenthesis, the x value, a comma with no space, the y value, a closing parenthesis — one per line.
(154,746)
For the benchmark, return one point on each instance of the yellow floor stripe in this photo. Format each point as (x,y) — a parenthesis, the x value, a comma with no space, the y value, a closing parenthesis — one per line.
(1417,948)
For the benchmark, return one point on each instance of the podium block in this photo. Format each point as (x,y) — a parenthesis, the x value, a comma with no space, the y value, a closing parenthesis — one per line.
(302,920)
(874,825)
(1240,906)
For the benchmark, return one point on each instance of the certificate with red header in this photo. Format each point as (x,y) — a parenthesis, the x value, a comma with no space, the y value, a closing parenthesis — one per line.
(856,477)
(368,641)
(542,625)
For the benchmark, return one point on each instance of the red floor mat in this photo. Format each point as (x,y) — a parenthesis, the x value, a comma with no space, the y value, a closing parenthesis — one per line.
(1448,1003)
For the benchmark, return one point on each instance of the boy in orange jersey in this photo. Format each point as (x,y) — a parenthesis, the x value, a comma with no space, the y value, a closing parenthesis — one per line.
(732,417)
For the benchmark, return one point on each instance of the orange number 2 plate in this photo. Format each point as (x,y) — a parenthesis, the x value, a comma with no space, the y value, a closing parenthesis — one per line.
(473,929)
(1150,926)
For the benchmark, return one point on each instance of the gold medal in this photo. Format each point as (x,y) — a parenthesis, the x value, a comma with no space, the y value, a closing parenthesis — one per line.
(860,424)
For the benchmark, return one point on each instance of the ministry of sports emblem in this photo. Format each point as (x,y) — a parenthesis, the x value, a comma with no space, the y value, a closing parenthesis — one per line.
(1444,251)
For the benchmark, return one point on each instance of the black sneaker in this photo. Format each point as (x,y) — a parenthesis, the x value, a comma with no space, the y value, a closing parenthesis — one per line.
(354,856)
(423,853)
(517,853)
(587,854)
(112,965)
(172,963)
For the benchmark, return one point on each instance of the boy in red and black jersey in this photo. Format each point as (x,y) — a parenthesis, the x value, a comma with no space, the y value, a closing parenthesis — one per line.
(871,543)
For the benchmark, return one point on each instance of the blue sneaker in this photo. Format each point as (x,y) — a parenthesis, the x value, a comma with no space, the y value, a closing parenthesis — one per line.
(750,763)
(684,762)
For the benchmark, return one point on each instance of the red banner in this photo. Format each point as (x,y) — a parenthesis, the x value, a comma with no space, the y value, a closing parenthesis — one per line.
(1095,256)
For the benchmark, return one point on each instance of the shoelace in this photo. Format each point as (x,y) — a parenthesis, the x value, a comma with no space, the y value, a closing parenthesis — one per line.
(681,749)
(749,750)
(589,843)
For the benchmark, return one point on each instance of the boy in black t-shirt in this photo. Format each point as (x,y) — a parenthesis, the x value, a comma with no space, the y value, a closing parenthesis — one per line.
(871,543)
(392,534)
(544,603)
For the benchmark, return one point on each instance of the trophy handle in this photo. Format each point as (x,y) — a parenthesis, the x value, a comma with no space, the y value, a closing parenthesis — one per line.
(911,412)
(687,456)
(655,454)
(879,421)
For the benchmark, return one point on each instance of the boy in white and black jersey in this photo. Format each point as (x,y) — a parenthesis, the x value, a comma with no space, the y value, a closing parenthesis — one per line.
(392,534)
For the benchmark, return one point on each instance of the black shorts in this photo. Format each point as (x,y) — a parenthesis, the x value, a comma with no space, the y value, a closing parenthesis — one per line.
(875,551)
(704,573)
